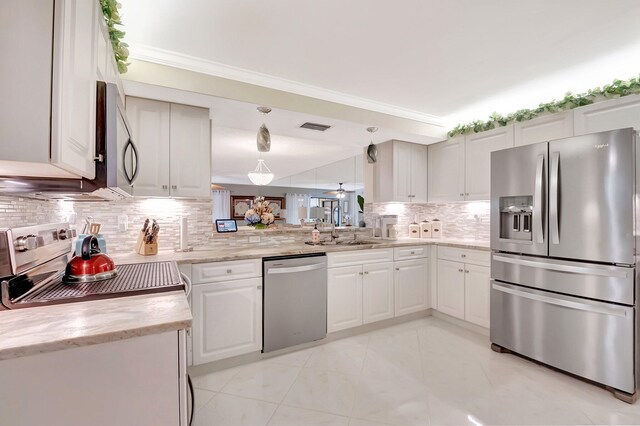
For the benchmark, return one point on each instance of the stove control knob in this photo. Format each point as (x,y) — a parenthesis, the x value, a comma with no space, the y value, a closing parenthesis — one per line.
(62,234)
(26,243)
(21,243)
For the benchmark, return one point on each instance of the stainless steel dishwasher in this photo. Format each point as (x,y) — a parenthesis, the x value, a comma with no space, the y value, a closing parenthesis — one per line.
(295,300)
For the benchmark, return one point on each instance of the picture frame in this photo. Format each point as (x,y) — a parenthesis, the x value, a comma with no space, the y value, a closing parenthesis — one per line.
(241,203)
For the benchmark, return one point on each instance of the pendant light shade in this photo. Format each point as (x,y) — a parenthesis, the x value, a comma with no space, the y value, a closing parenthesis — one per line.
(372,150)
(261,175)
(264,137)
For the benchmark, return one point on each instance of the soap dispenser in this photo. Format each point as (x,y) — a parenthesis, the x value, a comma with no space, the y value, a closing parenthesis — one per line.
(414,229)
(315,235)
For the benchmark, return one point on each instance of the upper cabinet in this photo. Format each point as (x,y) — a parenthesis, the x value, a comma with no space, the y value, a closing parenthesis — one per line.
(446,170)
(608,115)
(478,149)
(73,135)
(174,145)
(400,174)
(545,128)
(460,168)
(49,106)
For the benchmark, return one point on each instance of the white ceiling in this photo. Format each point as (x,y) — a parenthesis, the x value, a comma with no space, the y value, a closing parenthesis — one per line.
(453,59)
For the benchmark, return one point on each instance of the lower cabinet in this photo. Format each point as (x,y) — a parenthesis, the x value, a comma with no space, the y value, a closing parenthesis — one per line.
(227,319)
(464,291)
(451,292)
(344,298)
(359,295)
(477,293)
(411,279)
(377,292)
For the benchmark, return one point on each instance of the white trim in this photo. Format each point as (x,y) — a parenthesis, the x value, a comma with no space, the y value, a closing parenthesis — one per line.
(192,63)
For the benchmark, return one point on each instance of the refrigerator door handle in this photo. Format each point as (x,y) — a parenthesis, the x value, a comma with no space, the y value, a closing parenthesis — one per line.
(554,198)
(561,268)
(537,201)
(604,310)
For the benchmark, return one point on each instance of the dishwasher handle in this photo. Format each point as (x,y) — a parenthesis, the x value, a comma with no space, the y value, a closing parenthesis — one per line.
(294,269)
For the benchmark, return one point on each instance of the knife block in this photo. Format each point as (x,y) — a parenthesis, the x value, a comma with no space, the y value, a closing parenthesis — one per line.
(145,249)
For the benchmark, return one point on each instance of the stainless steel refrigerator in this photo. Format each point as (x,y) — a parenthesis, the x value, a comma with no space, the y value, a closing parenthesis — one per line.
(564,222)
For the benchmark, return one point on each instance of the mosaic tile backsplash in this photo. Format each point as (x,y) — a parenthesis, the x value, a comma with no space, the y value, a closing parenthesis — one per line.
(461,220)
(464,220)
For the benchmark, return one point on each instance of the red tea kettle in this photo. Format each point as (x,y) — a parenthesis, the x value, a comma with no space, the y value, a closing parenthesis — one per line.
(91,265)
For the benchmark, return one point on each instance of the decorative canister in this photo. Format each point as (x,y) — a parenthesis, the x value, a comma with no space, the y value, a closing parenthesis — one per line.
(436,228)
(425,229)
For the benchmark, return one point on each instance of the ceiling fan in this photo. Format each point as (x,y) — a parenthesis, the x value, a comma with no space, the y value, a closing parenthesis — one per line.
(339,193)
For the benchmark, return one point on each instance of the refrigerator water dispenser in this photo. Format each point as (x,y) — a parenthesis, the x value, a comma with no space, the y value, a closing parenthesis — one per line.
(516,218)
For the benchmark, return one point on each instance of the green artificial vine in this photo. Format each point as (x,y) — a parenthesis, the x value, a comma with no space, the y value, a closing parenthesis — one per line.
(616,89)
(110,10)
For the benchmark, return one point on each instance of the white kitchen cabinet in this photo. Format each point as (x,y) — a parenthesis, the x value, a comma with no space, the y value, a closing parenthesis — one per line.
(463,284)
(174,145)
(377,292)
(478,149)
(411,287)
(400,174)
(190,151)
(451,290)
(446,170)
(545,128)
(150,127)
(477,291)
(344,297)
(73,112)
(608,115)
(134,381)
(227,319)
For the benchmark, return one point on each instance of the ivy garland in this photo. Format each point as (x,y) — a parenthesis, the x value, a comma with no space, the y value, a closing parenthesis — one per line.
(110,10)
(617,88)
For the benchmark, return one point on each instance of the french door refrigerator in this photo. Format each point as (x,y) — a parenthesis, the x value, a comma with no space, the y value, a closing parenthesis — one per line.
(563,265)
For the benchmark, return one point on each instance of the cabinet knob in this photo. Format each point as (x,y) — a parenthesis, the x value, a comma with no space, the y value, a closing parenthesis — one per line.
(174,186)
(259,287)
(462,194)
(164,187)
(463,255)
(366,273)
(467,194)
(466,271)
(397,269)
(229,271)
(360,273)
(460,270)
(413,252)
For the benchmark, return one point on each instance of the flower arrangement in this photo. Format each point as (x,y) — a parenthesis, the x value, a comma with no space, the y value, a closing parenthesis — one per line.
(260,215)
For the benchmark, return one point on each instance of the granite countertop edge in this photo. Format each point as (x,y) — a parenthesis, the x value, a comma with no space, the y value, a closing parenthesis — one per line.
(39,330)
(225,254)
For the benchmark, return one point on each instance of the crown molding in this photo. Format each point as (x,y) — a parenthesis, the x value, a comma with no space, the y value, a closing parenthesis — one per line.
(178,60)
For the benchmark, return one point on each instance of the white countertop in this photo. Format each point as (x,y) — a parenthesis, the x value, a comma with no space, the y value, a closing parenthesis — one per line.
(50,328)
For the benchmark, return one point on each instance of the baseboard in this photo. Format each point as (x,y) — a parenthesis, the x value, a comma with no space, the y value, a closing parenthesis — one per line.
(236,361)
(460,323)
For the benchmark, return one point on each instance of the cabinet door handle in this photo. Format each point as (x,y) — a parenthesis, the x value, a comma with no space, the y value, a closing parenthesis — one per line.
(229,271)
(463,255)
(460,270)
(462,194)
(366,273)
(174,186)
(164,186)
(360,273)
(466,271)
(259,287)
(467,194)
(397,269)
(413,252)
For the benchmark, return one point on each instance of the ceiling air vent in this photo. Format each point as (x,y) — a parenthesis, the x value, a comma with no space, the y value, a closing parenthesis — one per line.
(315,126)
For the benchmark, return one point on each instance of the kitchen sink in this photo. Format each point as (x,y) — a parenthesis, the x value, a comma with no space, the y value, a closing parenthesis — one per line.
(345,243)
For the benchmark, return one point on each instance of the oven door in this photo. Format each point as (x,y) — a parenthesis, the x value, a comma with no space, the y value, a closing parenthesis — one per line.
(584,337)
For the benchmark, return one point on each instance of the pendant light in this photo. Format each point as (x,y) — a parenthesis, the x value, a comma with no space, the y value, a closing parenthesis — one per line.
(261,175)
(264,137)
(372,150)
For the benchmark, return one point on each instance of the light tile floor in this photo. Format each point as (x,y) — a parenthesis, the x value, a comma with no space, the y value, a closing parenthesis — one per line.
(421,372)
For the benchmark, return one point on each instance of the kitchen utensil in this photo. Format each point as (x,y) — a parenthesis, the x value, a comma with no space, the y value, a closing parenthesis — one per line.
(146,225)
(94,228)
(90,265)
(87,223)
